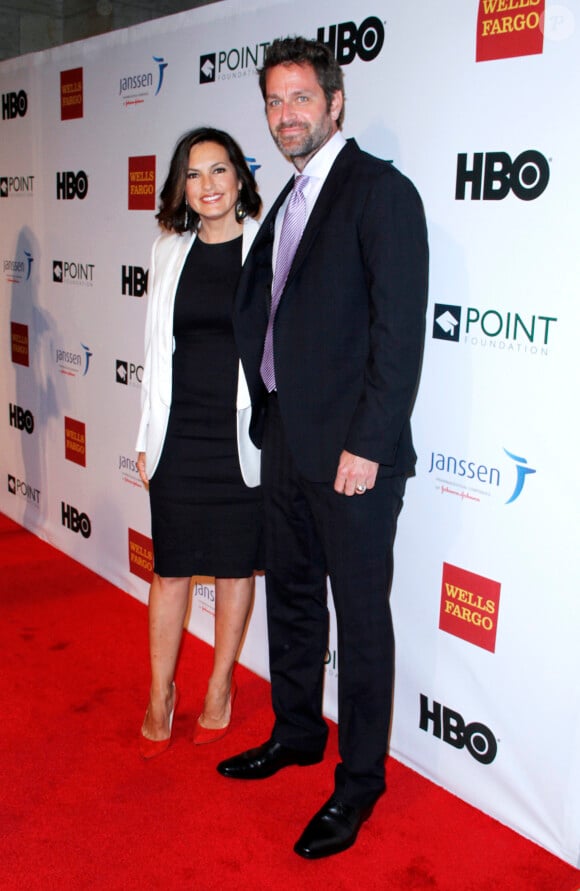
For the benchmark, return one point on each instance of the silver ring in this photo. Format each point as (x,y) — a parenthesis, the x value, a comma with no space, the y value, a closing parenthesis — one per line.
(361,488)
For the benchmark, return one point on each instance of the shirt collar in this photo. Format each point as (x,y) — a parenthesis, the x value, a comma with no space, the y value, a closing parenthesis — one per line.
(320,164)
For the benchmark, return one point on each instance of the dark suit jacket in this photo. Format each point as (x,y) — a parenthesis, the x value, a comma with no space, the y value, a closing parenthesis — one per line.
(349,329)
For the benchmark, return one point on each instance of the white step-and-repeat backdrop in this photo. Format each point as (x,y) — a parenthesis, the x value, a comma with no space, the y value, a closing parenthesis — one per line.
(478,103)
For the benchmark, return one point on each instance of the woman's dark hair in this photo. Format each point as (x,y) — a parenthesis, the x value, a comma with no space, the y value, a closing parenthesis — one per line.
(172,209)
(300,51)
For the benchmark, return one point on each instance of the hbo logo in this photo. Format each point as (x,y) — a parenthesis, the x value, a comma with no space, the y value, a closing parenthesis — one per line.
(71,185)
(452,729)
(134,280)
(14,105)
(75,521)
(21,419)
(527,176)
(347,41)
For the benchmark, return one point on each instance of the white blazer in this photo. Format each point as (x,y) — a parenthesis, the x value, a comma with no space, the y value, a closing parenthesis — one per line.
(168,256)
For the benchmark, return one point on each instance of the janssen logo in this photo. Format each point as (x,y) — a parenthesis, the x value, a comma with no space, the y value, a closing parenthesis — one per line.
(471,480)
(127,467)
(73,363)
(18,270)
(252,164)
(204,596)
(498,330)
(136,88)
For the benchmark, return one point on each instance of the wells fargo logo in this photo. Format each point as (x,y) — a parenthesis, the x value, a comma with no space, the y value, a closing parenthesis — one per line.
(469,606)
(71,94)
(142,183)
(140,555)
(19,340)
(75,441)
(508,28)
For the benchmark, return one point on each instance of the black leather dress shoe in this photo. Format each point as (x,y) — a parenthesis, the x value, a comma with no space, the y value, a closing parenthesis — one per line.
(265,760)
(332,830)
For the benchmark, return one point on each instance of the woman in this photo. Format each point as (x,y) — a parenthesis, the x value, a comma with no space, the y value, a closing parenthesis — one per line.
(195,454)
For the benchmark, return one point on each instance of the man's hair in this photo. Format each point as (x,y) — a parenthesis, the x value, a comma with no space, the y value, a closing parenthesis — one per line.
(300,51)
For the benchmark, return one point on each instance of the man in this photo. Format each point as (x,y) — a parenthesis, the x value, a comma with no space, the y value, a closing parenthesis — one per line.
(332,350)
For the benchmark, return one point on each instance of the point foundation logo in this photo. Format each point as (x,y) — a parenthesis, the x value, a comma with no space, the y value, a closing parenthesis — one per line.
(128,373)
(17,186)
(23,490)
(509,28)
(331,663)
(72,272)
(509,331)
(142,183)
(469,606)
(71,94)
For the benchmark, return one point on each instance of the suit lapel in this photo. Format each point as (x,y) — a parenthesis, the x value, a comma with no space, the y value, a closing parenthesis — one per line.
(323,206)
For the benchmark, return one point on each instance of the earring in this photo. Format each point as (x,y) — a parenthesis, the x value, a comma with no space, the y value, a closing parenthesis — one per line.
(186,218)
(240,210)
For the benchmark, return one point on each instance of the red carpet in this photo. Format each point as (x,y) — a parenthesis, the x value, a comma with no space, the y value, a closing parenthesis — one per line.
(80,810)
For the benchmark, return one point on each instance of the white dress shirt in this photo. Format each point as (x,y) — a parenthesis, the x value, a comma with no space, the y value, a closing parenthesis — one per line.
(317,170)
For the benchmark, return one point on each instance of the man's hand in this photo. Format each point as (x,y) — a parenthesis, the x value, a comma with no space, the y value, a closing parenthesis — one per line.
(355,475)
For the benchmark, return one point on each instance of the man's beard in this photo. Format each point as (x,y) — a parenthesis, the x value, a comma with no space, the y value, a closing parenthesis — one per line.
(313,139)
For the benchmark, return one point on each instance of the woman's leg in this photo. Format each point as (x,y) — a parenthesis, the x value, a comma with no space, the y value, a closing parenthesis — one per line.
(233,599)
(168,600)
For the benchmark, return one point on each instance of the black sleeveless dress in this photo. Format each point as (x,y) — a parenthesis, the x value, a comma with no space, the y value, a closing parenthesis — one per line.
(204,519)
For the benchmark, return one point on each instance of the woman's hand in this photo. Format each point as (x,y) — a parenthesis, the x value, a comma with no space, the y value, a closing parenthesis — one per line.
(141,469)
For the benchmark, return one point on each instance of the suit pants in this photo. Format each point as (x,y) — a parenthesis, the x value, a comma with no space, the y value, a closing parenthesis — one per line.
(312,531)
